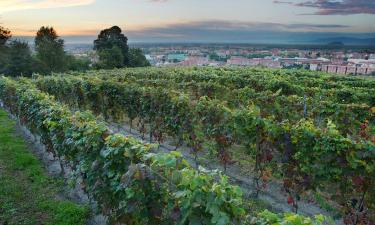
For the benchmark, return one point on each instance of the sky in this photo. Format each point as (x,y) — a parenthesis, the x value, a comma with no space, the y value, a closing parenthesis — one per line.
(204,20)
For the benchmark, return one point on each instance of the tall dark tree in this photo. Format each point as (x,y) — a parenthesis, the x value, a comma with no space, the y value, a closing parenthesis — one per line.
(50,50)
(108,39)
(5,35)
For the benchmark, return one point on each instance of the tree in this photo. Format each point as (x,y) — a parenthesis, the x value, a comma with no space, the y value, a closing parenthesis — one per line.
(137,58)
(110,38)
(3,59)
(5,35)
(20,60)
(50,50)
(111,58)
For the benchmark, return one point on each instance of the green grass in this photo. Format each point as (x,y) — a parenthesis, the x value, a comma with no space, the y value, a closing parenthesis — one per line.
(27,195)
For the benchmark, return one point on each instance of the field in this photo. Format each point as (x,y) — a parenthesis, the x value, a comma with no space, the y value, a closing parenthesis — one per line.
(311,134)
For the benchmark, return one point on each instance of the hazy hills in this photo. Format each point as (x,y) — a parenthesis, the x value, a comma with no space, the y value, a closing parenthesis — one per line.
(367,39)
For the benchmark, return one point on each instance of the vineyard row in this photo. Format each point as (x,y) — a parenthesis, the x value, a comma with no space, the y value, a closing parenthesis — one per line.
(131,184)
(307,157)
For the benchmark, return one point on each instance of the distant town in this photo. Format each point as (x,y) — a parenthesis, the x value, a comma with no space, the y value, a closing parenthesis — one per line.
(331,58)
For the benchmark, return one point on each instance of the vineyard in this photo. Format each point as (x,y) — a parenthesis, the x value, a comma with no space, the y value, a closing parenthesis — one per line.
(312,133)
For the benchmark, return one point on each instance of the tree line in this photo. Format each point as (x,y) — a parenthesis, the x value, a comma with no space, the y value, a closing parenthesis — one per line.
(111,48)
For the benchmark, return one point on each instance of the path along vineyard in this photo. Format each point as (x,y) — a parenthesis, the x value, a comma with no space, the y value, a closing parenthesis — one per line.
(312,132)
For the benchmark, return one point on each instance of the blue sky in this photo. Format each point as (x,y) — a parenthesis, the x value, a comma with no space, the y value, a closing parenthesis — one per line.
(179,19)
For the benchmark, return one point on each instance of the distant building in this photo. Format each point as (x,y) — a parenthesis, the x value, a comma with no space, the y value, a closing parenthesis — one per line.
(266,62)
(314,67)
(351,70)
(151,59)
(174,58)
(362,61)
(342,69)
(240,61)
(195,61)
(292,61)
(347,70)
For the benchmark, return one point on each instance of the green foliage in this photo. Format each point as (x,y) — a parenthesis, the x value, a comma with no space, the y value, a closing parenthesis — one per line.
(27,194)
(50,50)
(4,58)
(20,59)
(77,64)
(308,128)
(66,213)
(110,39)
(137,58)
(120,173)
(269,218)
(16,58)
(129,184)
(113,50)
(5,35)
(111,58)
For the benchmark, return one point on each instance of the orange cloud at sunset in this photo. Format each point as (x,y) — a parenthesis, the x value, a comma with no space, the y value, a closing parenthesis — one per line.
(15,5)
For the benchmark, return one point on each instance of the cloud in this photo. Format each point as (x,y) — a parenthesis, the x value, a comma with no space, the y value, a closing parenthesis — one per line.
(217,30)
(283,2)
(15,5)
(336,7)
(223,25)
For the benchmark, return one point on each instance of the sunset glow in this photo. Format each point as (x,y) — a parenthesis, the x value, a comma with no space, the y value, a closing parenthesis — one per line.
(173,18)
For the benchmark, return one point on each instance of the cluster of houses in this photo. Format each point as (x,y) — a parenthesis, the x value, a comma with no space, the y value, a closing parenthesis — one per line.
(336,64)
(351,67)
